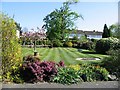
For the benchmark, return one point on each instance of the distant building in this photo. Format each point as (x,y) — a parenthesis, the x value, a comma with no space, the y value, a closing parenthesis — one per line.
(77,33)
(93,34)
(18,33)
(89,34)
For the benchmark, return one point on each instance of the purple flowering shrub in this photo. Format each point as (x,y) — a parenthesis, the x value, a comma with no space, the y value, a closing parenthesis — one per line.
(40,71)
(61,64)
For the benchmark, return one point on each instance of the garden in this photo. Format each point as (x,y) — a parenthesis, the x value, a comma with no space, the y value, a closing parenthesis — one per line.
(56,58)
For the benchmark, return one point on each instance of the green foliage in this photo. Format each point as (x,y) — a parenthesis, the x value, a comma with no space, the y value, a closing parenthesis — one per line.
(112,63)
(86,45)
(11,50)
(67,75)
(105,44)
(75,38)
(57,43)
(18,27)
(115,30)
(59,22)
(76,73)
(93,73)
(69,44)
(106,32)
(16,75)
(83,38)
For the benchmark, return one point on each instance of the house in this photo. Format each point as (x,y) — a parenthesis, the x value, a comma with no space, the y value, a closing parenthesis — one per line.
(93,34)
(89,34)
(18,33)
(77,33)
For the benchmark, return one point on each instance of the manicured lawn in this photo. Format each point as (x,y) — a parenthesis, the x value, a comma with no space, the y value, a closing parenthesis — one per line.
(68,55)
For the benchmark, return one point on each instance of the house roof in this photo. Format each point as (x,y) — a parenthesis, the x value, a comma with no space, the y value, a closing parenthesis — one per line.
(87,32)
(92,33)
(77,32)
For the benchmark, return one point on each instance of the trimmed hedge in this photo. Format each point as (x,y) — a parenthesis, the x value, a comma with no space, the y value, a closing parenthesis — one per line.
(105,44)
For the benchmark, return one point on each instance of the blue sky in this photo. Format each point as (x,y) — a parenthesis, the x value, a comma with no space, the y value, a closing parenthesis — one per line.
(31,14)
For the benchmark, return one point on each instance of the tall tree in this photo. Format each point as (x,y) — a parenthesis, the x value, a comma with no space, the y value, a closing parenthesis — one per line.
(60,21)
(106,32)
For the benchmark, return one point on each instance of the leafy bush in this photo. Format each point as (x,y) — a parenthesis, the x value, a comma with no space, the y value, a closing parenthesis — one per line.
(75,38)
(11,50)
(67,75)
(105,44)
(85,45)
(61,64)
(93,73)
(69,44)
(112,63)
(30,58)
(76,73)
(16,75)
(38,71)
(57,43)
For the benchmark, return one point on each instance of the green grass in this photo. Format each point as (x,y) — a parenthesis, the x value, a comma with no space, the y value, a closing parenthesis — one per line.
(68,55)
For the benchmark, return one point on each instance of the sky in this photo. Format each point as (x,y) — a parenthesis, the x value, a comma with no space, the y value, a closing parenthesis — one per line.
(30,14)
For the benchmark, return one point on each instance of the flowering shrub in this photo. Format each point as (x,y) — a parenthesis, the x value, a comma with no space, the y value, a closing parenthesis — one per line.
(59,73)
(40,71)
(61,64)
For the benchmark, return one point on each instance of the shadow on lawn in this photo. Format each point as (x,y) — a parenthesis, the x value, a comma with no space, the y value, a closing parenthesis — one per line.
(87,51)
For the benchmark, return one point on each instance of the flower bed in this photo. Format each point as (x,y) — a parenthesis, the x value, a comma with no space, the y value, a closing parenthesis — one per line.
(33,70)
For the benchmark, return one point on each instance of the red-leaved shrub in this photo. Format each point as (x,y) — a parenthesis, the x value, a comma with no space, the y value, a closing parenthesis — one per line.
(39,71)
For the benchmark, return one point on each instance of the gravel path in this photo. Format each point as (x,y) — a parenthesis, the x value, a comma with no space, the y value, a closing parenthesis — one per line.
(104,84)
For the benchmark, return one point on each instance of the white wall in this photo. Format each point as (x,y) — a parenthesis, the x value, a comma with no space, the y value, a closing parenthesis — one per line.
(18,33)
(94,36)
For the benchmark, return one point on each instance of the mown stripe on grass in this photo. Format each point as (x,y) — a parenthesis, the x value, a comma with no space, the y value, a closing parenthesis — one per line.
(26,51)
(56,55)
(52,54)
(48,54)
(42,52)
(72,55)
(67,59)
(80,55)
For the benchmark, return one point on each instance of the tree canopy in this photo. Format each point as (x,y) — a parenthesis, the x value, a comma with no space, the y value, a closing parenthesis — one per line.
(106,32)
(59,22)
(115,29)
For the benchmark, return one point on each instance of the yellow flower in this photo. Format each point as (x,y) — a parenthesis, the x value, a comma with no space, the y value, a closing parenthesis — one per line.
(75,67)
(20,65)
(97,66)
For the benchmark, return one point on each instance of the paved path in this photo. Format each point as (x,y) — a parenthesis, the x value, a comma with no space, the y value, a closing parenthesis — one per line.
(104,84)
